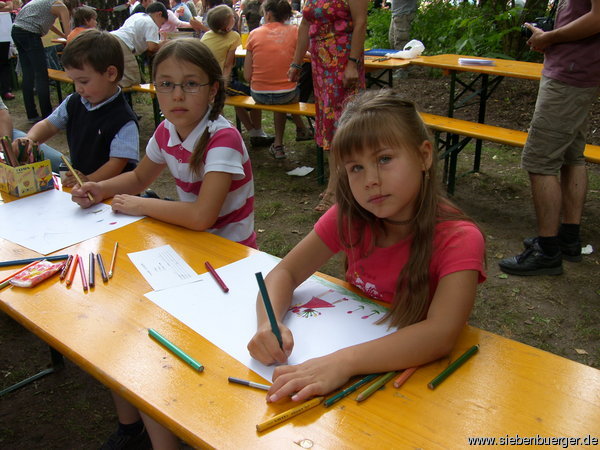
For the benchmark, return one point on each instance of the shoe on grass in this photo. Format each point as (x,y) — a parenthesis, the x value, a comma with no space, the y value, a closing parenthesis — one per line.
(277,151)
(121,441)
(305,134)
(533,261)
(571,251)
(261,141)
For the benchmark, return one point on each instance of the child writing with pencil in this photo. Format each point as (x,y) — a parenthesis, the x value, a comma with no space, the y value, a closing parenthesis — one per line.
(203,151)
(208,159)
(101,128)
(405,244)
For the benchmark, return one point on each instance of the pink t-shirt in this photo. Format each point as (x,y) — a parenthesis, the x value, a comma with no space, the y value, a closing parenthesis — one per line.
(272,46)
(225,152)
(458,245)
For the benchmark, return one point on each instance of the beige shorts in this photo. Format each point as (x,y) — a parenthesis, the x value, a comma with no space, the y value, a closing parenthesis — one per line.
(559,126)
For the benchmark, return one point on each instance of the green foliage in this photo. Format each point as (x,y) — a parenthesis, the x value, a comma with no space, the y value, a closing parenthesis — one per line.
(378,25)
(464,28)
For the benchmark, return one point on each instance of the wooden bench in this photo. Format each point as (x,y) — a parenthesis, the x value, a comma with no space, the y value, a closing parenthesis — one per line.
(61,77)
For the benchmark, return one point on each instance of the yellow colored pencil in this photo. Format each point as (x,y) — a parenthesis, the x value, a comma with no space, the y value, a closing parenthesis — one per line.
(70,167)
(289,414)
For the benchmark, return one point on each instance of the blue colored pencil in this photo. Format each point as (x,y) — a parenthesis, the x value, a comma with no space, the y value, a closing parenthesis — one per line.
(267,301)
(18,262)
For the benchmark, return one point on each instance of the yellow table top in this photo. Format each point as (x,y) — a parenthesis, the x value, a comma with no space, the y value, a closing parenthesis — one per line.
(502,67)
(508,388)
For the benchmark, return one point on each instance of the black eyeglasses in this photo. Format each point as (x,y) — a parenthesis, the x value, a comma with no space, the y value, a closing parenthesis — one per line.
(189,87)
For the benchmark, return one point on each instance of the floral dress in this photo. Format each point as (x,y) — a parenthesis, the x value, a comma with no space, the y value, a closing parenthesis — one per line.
(330,35)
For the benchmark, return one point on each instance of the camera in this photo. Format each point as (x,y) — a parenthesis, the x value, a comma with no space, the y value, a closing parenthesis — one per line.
(543,23)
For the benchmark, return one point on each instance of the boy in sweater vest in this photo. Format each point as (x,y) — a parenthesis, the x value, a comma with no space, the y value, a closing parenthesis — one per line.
(102,130)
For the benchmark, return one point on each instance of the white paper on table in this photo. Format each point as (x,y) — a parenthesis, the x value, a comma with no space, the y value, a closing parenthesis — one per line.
(49,221)
(324,317)
(163,268)
(475,62)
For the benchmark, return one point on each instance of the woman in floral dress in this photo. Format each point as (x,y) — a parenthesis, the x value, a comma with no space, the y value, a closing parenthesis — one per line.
(333,31)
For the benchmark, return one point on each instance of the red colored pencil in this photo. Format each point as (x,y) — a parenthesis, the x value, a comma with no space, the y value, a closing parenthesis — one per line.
(216,276)
(404,376)
(84,281)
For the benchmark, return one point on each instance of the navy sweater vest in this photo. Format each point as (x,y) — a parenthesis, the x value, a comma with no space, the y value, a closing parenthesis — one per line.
(90,133)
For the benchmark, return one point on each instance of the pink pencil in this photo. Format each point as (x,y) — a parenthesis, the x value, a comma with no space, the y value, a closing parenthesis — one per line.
(84,281)
(216,276)
(404,376)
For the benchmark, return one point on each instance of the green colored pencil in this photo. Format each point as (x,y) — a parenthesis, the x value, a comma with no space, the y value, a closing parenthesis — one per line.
(269,308)
(375,386)
(350,389)
(176,350)
(452,367)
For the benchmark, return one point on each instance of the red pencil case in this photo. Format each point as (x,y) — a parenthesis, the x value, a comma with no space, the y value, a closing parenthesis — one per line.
(36,274)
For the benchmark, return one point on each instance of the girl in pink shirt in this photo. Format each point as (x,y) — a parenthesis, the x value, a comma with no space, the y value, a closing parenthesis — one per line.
(404,243)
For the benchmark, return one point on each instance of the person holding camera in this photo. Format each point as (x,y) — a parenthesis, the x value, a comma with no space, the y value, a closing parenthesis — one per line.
(553,153)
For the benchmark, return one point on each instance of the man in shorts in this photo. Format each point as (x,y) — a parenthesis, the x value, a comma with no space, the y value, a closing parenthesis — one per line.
(553,153)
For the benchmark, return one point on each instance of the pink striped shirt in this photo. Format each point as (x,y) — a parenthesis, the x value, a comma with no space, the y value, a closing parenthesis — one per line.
(225,152)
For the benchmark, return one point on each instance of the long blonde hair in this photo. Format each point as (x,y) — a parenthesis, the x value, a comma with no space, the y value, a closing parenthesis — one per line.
(195,52)
(383,118)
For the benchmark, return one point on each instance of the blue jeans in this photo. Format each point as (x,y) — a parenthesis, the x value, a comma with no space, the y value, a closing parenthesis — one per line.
(32,57)
(49,153)
(278,98)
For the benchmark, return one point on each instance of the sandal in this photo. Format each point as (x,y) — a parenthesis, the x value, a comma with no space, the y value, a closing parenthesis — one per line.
(326,202)
(277,151)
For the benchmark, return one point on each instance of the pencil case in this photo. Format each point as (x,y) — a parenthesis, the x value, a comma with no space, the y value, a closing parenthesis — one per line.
(36,273)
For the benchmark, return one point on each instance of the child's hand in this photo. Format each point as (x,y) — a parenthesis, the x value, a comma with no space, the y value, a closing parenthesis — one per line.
(79,194)
(264,346)
(128,204)
(70,179)
(317,376)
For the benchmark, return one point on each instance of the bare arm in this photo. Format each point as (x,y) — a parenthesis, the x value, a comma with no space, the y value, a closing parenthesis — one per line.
(585,26)
(42,131)
(6,6)
(358,10)
(300,263)
(199,215)
(410,346)
(60,10)
(6,123)
(248,66)
(228,66)
(301,47)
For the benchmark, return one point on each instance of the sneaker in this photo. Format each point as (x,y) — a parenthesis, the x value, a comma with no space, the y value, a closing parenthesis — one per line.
(305,134)
(149,193)
(35,120)
(8,96)
(532,261)
(261,141)
(120,441)
(570,251)
(277,151)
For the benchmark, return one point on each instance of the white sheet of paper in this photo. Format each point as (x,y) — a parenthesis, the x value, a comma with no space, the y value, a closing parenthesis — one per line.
(49,221)
(323,318)
(162,267)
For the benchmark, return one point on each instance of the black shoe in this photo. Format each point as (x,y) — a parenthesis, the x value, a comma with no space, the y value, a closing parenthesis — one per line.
(261,141)
(532,261)
(149,193)
(120,441)
(571,251)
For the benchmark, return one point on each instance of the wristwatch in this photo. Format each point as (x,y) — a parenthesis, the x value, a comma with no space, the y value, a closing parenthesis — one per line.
(354,60)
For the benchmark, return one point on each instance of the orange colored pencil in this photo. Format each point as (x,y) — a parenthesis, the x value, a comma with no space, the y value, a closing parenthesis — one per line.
(2,283)
(72,270)
(404,376)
